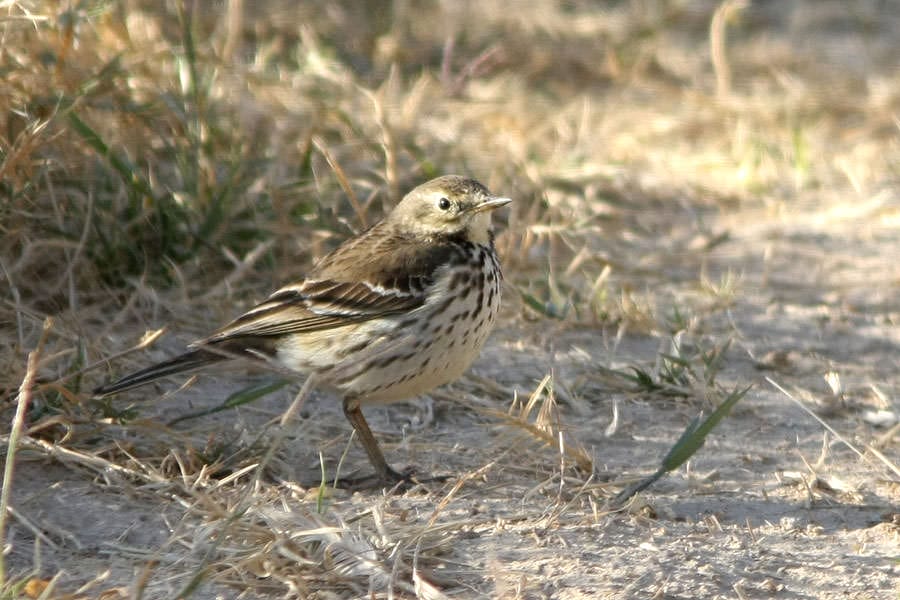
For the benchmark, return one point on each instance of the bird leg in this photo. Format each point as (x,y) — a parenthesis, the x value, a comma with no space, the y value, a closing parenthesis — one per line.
(383,472)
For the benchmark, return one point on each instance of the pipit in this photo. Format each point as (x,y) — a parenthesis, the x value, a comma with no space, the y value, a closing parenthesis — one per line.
(391,313)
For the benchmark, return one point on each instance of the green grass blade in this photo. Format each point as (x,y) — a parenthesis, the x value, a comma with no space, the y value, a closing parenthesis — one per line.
(694,435)
(244,396)
(691,440)
(126,170)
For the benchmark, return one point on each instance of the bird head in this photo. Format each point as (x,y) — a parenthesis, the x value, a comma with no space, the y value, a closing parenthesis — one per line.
(451,205)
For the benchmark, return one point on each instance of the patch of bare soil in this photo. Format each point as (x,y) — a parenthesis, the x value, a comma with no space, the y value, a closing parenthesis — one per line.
(777,504)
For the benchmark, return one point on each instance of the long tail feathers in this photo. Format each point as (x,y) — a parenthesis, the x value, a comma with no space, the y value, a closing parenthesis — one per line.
(193,359)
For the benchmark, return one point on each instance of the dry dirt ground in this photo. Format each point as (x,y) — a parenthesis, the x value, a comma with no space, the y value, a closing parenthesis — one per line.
(794,284)
(774,505)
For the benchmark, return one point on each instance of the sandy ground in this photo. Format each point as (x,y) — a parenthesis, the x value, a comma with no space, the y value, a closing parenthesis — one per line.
(773,506)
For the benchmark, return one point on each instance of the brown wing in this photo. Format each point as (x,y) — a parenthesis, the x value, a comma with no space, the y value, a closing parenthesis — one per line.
(388,260)
(368,277)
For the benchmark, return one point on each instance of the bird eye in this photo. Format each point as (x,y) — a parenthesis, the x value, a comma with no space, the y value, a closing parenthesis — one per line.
(444,204)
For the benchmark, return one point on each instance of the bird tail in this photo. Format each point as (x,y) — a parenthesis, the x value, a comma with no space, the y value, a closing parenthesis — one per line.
(189,361)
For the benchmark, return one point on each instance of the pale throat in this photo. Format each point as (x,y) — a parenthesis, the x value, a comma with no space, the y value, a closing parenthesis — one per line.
(480,228)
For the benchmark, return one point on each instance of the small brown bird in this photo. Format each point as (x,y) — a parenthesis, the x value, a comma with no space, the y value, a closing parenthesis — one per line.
(393,312)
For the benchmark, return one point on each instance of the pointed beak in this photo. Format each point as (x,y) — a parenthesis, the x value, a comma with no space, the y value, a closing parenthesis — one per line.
(490,203)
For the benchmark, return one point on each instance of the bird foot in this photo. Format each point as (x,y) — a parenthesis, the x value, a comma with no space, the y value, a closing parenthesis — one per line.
(394,480)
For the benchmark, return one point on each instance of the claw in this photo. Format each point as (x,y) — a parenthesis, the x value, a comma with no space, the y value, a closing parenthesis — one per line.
(391,479)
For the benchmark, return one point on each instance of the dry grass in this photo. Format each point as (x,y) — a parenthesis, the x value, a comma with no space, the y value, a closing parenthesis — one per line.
(167,163)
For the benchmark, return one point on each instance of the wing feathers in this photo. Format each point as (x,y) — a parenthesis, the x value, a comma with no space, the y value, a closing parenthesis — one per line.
(375,275)
(316,306)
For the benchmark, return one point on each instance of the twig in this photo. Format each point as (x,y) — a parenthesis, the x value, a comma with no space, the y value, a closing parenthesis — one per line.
(23,400)
(723,14)
(881,457)
(807,410)
(241,268)
(343,180)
